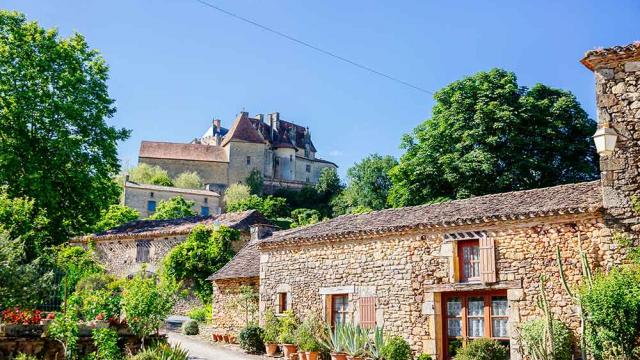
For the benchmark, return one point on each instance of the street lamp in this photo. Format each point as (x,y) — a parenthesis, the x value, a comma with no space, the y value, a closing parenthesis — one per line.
(605,139)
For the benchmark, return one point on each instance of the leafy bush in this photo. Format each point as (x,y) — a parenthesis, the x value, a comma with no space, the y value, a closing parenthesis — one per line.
(270,206)
(98,294)
(106,342)
(201,314)
(188,180)
(250,339)
(190,327)
(147,174)
(115,215)
(424,357)
(23,356)
(76,263)
(174,208)
(288,326)
(612,307)
(483,349)
(302,217)
(162,351)
(309,332)
(271,327)
(204,252)
(236,193)
(255,181)
(534,343)
(64,328)
(396,348)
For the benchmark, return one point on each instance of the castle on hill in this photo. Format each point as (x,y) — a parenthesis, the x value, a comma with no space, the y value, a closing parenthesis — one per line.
(281,150)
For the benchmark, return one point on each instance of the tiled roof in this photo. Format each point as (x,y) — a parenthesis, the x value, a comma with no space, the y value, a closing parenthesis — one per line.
(198,152)
(593,58)
(517,205)
(245,264)
(243,130)
(282,137)
(131,184)
(157,228)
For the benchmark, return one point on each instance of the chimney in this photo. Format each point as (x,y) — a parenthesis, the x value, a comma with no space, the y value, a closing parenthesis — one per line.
(217,124)
(261,231)
(617,76)
(260,117)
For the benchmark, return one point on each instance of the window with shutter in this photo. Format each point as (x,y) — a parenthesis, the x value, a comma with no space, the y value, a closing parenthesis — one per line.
(367,307)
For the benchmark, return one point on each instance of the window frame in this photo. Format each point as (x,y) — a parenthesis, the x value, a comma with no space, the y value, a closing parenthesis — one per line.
(283,305)
(151,209)
(461,245)
(248,160)
(143,251)
(464,317)
(343,312)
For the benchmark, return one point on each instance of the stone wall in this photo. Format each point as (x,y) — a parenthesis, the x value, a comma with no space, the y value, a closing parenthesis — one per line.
(226,316)
(210,172)
(315,169)
(137,198)
(407,273)
(238,167)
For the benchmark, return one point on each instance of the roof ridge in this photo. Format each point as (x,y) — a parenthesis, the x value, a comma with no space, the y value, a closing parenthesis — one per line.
(242,130)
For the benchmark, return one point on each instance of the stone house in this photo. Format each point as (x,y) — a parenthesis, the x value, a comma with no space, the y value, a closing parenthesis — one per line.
(281,150)
(442,275)
(145,197)
(126,249)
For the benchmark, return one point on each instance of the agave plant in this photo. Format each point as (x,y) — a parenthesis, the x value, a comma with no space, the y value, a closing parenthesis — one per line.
(376,344)
(333,340)
(355,340)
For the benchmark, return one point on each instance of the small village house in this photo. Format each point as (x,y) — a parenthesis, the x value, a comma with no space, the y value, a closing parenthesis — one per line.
(442,275)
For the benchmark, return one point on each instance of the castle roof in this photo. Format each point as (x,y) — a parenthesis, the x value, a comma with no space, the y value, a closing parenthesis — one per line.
(243,130)
(145,229)
(577,198)
(282,137)
(178,151)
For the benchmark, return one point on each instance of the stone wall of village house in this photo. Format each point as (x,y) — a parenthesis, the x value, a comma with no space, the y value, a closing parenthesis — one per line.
(137,199)
(406,273)
(210,172)
(226,316)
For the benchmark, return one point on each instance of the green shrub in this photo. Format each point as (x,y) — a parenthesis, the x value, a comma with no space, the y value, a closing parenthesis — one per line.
(190,327)
(396,348)
(250,339)
(483,349)
(309,333)
(271,327)
(424,357)
(23,356)
(200,314)
(288,326)
(162,351)
(612,309)
(532,338)
(106,342)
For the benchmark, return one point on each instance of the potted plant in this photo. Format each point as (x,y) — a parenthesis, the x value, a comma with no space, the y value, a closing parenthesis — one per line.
(376,344)
(286,336)
(308,335)
(270,335)
(355,341)
(332,340)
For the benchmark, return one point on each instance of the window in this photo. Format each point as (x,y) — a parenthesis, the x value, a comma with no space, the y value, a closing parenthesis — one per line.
(151,206)
(142,250)
(472,316)
(282,304)
(248,160)
(151,194)
(469,260)
(290,157)
(339,309)
(206,200)
(308,168)
(204,210)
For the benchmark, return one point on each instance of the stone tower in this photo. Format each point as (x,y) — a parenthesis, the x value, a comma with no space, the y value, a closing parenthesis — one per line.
(617,75)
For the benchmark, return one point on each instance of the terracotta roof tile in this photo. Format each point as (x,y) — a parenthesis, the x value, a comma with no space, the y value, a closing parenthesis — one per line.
(135,185)
(197,152)
(570,198)
(243,130)
(157,228)
(594,58)
(245,264)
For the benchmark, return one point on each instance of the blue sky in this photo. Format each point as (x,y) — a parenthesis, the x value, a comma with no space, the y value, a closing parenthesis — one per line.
(176,64)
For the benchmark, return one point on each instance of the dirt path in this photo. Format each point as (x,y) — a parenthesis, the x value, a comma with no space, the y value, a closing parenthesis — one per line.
(200,349)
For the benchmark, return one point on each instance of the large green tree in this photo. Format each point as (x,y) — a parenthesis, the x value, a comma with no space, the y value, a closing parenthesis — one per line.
(55,146)
(487,134)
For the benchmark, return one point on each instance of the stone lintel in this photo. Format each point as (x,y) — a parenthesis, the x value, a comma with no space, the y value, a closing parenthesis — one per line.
(348,289)
(500,285)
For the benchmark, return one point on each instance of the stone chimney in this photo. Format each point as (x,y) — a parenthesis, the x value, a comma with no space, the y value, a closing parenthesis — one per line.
(261,231)
(260,117)
(617,77)
(274,119)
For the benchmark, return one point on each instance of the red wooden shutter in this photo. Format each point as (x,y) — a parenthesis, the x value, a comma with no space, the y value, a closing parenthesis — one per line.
(487,260)
(367,307)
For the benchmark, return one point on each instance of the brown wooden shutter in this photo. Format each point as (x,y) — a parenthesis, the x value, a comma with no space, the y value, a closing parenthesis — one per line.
(367,309)
(487,260)
(328,304)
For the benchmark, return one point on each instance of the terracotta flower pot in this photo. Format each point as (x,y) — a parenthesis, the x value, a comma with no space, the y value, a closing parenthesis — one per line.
(272,349)
(349,357)
(226,338)
(288,349)
(302,355)
(313,355)
(338,356)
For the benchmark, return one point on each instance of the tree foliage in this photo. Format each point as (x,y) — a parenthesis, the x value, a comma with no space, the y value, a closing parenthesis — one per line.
(188,180)
(115,215)
(24,223)
(329,183)
(487,134)
(204,252)
(302,217)
(149,174)
(236,193)
(271,206)
(255,181)
(174,208)
(56,147)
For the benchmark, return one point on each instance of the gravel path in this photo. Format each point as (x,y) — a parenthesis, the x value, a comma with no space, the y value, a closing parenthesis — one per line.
(200,349)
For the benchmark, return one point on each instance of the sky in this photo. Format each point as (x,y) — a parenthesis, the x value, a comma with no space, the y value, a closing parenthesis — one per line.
(177,64)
